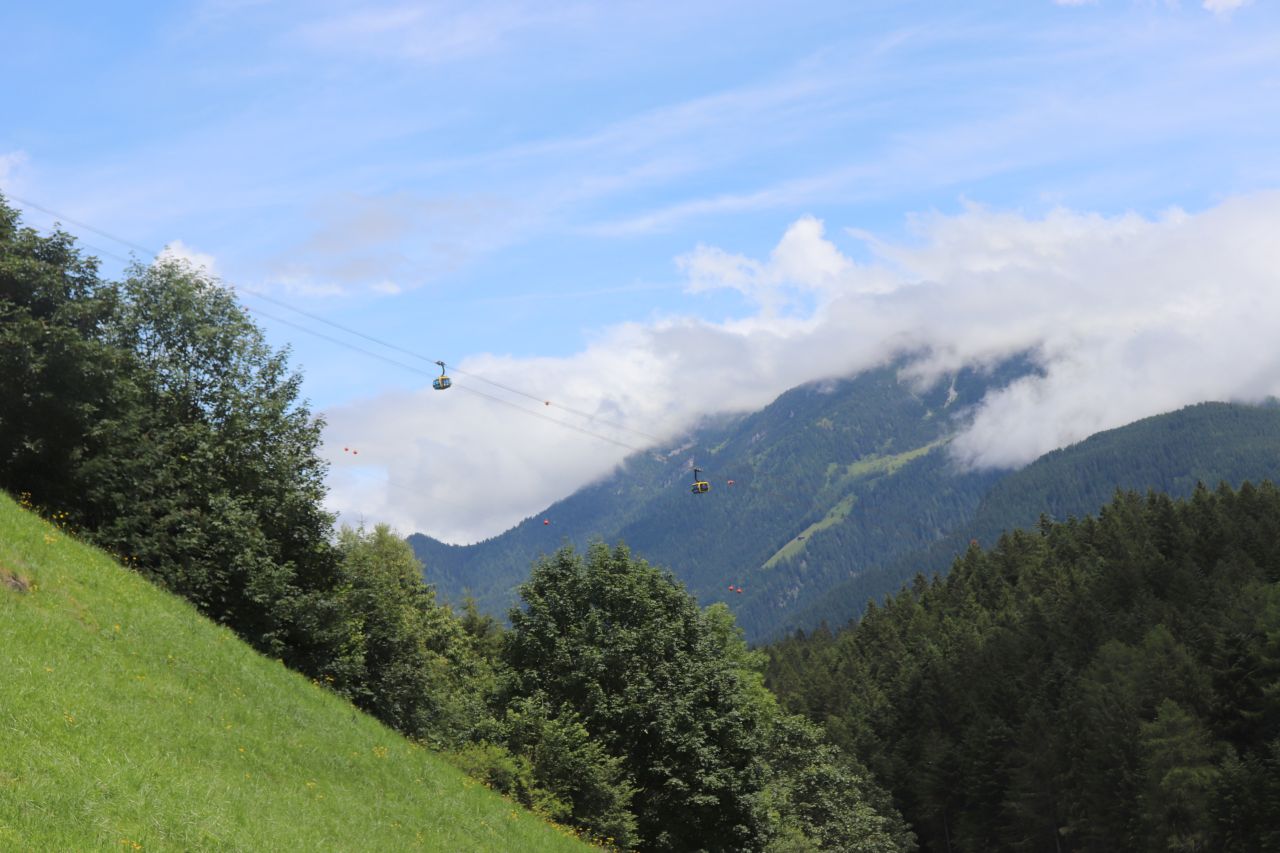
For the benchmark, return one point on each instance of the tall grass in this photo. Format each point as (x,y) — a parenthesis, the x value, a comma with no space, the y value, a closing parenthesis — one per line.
(130,722)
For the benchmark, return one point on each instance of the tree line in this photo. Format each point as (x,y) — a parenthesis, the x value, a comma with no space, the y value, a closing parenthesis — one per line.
(151,415)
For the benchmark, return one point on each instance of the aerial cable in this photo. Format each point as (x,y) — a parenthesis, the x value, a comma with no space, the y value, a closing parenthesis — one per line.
(372,339)
(340,342)
(520,408)
(455,369)
(98,250)
(25,203)
(465,388)
(554,404)
(414,369)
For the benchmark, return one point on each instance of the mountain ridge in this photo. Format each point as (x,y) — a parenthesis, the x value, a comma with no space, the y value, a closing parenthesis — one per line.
(783,479)
(1169,453)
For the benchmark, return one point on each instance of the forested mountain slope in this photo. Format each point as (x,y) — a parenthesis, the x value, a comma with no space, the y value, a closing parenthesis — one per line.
(826,481)
(1169,453)
(132,722)
(1100,684)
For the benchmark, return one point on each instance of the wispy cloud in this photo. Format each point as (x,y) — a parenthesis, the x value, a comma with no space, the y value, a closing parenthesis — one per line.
(433,32)
(1218,7)
(11,164)
(390,243)
(1224,7)
(1211,89)
(942,108)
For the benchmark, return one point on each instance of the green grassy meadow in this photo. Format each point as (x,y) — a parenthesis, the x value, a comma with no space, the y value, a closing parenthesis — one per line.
(130,722)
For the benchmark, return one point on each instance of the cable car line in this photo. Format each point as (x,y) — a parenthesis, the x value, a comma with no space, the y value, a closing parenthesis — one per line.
(143,249)
(468,389)
(554,404)
(519,408)
(341,342)
(698,486)
(456,370)
(146,251)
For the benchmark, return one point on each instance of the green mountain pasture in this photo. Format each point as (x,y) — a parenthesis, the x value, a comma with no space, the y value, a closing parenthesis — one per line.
(130,722)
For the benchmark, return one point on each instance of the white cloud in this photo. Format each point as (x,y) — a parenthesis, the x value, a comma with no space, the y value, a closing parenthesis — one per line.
(803,263)
(1225,7)
(179,251)
(1128,317)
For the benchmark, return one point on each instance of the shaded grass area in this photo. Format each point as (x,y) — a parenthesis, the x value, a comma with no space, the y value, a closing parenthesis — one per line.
(128,721)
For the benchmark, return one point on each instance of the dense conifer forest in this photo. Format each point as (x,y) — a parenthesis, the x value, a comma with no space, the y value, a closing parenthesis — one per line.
(1108,683)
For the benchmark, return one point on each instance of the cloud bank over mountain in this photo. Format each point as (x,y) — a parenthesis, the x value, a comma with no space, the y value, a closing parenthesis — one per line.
(1126,316)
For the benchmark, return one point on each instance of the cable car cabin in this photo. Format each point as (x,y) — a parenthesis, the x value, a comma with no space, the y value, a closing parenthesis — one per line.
(700,486)
(442,382)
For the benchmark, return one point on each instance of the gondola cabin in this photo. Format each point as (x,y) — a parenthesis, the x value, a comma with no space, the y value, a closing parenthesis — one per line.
(441,382)
(700,486)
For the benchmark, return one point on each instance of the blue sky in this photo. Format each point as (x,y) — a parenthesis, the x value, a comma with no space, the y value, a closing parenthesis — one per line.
(550,192)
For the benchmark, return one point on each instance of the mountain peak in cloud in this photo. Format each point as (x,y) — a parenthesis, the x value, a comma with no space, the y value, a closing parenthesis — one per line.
(1125,316)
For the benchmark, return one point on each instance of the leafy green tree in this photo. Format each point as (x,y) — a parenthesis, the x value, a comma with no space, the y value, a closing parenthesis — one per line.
(403,657)
(208,477)
(816,798)
(822,800)
(152,416)
(57,373)
(589,787)
(626,647)
(485,631)
(674,694)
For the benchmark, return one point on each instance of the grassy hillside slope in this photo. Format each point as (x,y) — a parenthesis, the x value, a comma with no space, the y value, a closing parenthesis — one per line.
(130,722)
